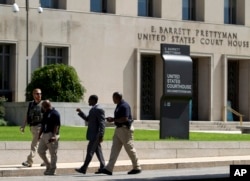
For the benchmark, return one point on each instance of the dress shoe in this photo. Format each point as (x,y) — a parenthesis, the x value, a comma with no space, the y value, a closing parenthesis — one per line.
(27,164)
(105,171)
(50,172)
(99,171)
(80,171)
(134,171)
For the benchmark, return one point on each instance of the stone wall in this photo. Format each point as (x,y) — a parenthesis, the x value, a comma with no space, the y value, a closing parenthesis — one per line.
(15,112)
(13,152)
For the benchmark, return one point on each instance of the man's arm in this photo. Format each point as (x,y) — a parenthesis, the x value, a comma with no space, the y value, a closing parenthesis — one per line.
(124,113)
(100,113)
(81,114)
(121,120)
(56,130)
(57,125)
(40,132)
(25,120)
(118,120)
(22,128)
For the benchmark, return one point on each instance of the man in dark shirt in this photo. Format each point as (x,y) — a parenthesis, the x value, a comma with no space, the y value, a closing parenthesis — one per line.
(123,136)
(49,137)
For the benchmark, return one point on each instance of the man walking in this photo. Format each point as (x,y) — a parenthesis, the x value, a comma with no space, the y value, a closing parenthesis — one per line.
(49,137)
(95,132)
(33,119)
(123,136)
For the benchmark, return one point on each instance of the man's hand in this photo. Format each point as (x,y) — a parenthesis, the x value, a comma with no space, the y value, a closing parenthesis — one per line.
(22,129)
(78,110)
(110,119)
(52,139)
(100,139)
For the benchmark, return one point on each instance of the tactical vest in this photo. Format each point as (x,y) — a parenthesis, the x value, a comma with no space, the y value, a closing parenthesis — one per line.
(35,113)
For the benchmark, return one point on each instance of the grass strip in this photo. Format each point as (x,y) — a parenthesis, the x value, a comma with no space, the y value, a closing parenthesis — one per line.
(68,133)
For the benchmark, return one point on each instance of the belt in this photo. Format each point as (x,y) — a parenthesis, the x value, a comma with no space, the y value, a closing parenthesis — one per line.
(36,124)
(49,132)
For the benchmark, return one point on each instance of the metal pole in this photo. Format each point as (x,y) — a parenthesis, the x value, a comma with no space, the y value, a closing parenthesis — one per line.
(27,42)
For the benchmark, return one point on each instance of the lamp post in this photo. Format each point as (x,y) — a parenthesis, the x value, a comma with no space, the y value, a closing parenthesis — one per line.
(27,42)
(16,9)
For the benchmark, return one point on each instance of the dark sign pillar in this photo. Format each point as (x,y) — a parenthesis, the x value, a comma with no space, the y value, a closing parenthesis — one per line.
(177,91)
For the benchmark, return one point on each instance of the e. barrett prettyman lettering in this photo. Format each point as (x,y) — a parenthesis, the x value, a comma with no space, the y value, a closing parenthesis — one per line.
(179,35)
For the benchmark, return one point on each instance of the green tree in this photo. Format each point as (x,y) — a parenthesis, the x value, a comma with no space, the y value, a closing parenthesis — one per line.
(58,82)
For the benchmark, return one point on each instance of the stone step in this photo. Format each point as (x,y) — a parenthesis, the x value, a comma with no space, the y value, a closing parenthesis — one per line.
(194,125)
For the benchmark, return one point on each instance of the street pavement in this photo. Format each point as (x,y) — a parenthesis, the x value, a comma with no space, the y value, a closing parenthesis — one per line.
(205,173)
(203,168)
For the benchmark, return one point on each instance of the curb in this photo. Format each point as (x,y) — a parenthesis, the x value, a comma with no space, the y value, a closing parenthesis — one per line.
(125,165)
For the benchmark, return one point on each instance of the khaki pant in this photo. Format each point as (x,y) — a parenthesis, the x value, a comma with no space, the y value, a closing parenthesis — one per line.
(34,143)
(123,137)
(45,145)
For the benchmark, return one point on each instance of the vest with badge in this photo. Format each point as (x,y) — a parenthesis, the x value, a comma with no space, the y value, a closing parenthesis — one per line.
(34,114)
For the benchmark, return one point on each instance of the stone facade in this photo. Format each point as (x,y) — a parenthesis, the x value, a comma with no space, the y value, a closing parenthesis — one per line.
(109,49)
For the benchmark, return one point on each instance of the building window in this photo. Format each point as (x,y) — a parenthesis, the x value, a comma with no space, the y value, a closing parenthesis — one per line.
(4,67)
(49,4)
(6,1)
(145,8)
(98,6)
(188,10)
(3,1)
(55,55)
(230,11)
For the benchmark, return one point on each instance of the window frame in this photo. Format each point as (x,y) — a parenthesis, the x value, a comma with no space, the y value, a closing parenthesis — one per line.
(230,8)
(54,59)
(191,10)
(4,2)
(148,11)
(66,48)
(103,6)
(53,4)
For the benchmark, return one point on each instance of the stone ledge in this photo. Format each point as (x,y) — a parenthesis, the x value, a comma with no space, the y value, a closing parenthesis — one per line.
(124,165)
(16,152)
(244,129)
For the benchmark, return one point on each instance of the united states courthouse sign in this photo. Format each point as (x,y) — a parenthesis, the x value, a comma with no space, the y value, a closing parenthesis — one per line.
(179,35)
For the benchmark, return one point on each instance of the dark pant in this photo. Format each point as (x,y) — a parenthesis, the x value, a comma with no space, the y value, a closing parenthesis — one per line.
(94,146)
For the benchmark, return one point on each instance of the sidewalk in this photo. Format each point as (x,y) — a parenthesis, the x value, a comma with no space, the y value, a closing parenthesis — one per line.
(154,156)
(125,165)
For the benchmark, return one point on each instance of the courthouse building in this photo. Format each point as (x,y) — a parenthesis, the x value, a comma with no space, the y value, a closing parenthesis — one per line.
(114,45)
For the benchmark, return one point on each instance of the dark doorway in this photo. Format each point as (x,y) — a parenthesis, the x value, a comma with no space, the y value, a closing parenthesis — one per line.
(147,87)
(233,85)
(194,103)
(5,71)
